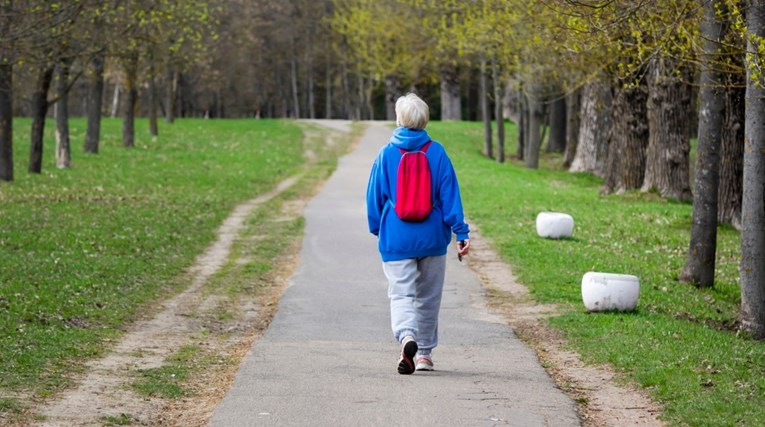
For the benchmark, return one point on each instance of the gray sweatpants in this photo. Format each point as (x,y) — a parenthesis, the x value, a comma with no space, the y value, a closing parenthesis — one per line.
(415,287)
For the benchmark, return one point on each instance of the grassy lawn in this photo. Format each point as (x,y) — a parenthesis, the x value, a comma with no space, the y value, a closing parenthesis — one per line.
(85,250)
(681,342)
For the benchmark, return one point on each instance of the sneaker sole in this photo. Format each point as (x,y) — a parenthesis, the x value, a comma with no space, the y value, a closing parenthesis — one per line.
(406,364)
(424,368)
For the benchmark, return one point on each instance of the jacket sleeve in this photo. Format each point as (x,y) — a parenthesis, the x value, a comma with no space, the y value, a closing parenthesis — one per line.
(375,196)
(451,202)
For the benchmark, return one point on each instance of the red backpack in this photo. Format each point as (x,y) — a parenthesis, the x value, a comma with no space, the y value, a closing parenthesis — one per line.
(413,191)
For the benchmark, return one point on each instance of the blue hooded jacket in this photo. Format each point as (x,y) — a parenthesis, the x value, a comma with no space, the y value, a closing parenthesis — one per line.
(399,239)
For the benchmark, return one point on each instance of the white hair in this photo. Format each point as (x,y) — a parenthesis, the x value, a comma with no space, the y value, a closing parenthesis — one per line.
(412,112)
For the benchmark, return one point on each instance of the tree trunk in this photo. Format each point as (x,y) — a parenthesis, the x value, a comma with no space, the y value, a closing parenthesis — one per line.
(535,123)
(219,110)
(360,113)
(732,153)
(485,112)
(753,211)
(557,141)
(669,101)
(592,146)
(6,118)
(368,97)
(328,100)
(499,112)
(309,78)
(61,108)
(170,90)
(153,125)
(116,100)
(95,98)
(131,97)
(346,93)
(573,122)
(39,111)
(451,108)
(391,95)
(523,123)
(6,99)
(699,266)
(294,85)
(625,167)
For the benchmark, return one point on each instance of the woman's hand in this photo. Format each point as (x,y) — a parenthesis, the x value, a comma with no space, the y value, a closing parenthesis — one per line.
(463,248)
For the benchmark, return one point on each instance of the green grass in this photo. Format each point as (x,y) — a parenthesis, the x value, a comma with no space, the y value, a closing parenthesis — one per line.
(85,250)
(167,380)
(118,420)
(681,342)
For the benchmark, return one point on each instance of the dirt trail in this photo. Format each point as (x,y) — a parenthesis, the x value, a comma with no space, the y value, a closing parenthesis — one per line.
(103,391)
(601,402)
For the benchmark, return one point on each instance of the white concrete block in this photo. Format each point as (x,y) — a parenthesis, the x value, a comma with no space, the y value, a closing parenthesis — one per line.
(554,225)
(608,291)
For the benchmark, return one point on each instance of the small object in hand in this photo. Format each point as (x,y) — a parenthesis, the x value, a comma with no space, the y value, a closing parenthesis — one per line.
(461,245)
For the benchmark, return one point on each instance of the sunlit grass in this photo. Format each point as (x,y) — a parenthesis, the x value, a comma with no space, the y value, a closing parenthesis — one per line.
(82,250)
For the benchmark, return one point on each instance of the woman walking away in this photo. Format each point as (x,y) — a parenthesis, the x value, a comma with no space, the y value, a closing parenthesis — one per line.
(413,207)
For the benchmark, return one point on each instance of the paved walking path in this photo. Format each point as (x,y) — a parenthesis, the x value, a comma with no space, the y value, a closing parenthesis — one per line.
(329,359)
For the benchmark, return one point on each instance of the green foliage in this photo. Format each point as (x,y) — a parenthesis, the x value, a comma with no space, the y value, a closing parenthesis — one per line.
(681,342)
(753,38)
(380,40)
(547,43)
(82,250)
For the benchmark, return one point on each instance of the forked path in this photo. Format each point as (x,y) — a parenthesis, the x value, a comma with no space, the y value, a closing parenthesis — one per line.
(329,358)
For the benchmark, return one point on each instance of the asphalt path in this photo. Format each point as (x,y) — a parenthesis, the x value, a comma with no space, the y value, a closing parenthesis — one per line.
(329,357)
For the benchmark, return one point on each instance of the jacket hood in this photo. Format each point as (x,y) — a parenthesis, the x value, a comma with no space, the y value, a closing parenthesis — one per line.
(409,139)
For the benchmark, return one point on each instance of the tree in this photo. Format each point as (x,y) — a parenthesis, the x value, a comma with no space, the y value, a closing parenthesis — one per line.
(557,141)
(498,112)
(625,166)
(615,40)
(732,151)
(592,147)
(753,213)
(6,92)
(95,97)
(669,105)
(52,40)
(732,144)
(488,146)
(535,107)
(130,68)
(451,106)
(699,266)
(39,110)
(573,108)
(61,112)
(381,45)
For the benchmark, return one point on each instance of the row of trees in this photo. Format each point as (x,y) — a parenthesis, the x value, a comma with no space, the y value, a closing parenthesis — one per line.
(46,46)
(188,58)
(621,84)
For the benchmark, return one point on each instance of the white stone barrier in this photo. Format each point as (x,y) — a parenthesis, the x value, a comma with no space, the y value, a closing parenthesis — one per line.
(554,225)
(610,292)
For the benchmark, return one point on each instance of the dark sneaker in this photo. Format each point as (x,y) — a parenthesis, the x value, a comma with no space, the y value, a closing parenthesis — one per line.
(408,350)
